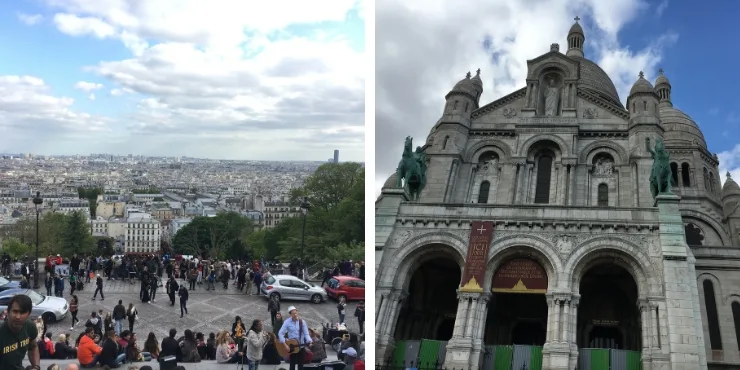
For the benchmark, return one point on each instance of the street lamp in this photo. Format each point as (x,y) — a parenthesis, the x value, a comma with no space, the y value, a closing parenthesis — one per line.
(37,201)
(305,206)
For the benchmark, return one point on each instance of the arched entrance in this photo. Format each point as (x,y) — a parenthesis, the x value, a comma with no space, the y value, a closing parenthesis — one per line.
(608,315)
(517,314)
(429,310)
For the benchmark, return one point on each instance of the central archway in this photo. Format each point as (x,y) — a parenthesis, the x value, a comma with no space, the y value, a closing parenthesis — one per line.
(518,310)
(608,315)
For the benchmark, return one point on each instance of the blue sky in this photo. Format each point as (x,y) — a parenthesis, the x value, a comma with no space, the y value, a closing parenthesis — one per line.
(442,41)
(241,81)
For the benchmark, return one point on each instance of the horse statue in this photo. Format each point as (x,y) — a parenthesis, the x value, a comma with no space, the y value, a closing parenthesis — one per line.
(660,176)
(412,169)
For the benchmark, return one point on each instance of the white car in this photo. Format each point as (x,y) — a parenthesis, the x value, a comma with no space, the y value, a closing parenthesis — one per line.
(290,287)
(52,309)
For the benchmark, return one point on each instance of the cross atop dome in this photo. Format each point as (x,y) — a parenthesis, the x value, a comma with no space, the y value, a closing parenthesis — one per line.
(477,73)
(467,75)
(660,71)
(641,75)
(576,19)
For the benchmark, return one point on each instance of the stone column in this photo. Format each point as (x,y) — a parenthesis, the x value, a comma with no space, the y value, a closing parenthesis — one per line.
(459,348)
(573,332)
(386,324)
(479,329)
(556,353)
(654,323)
(566,321)
(572,184)
(550,312)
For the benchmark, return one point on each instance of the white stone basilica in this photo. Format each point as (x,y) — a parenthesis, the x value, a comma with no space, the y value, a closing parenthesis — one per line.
(583,264)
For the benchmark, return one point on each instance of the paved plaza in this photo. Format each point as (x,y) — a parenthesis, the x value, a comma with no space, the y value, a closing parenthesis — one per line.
(209,311)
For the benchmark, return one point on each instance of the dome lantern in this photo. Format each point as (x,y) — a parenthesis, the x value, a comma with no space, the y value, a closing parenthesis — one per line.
(663,89)
(576,39)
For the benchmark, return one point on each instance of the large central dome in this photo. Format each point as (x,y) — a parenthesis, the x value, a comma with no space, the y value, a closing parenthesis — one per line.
(594,80)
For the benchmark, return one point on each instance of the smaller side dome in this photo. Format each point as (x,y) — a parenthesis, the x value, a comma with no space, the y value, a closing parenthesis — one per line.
(466,85)
(576,28)
(392,182)
(730,188)
(641,85)
(476,80)
(576,40)
(662,79)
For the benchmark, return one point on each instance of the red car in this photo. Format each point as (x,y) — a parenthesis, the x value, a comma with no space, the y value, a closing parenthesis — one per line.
(349,287)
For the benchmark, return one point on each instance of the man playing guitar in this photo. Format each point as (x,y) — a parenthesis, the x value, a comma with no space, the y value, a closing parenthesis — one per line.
(298,338)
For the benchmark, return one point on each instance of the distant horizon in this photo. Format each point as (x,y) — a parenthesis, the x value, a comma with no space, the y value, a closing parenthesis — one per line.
(181,156)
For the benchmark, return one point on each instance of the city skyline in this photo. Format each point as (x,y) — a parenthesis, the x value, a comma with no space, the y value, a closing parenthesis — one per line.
(186,80)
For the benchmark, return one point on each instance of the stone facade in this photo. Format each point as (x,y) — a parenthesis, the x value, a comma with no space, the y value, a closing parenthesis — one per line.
(591,203)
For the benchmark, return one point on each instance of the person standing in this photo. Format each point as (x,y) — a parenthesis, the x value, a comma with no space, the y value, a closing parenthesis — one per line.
(132,314)
(119,314)
(295,328)
(99,288)
(18,336)
(183,293)
(49,283)
(256,341)
(74,304)
(144,283)
(274,307)
(172,288)
(342,309)
(153,287)
(360,315)
(238,332)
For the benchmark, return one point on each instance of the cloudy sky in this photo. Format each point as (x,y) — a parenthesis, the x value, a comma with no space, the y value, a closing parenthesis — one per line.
(424,47)
(219,79)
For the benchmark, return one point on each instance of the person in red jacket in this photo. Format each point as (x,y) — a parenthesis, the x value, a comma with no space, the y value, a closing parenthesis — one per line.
(49,345)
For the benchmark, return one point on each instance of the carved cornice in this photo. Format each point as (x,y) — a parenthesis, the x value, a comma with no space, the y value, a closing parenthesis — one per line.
(490,107)
(607,134)
(612,108)
(502,133)
(528,226)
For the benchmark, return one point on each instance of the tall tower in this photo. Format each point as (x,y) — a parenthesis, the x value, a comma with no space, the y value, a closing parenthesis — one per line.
(336,155)
(644,123)
(576,38)
(450,137)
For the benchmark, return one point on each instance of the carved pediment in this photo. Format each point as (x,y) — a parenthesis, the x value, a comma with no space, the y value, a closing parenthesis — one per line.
(552,59)
(507,108)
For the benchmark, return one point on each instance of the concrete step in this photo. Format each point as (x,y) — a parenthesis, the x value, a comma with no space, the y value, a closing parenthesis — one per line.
(203,365)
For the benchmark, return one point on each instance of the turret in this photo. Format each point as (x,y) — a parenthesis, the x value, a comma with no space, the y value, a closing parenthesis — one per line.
(464,97)
(576,39)
(644,123)
(731,207)
(663,89)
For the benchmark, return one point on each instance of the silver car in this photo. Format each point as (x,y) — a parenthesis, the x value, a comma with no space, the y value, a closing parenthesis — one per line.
(292,288)
(52,309)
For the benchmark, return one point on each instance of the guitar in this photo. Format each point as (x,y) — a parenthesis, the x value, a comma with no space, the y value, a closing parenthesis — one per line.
(291,346)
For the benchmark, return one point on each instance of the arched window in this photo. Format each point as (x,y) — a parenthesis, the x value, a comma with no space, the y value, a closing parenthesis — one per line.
(712,182)
(644,106)
(685,174)
(634,107)
(485,186)
(736,318)
(603,196)
(444,144)
(715,339)
(466,106)
(674,173)
(454,107)
(544,174)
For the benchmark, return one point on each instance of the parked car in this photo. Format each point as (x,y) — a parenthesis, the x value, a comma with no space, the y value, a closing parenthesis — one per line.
(349,287)
(6,284)
(52,309)
(290,287)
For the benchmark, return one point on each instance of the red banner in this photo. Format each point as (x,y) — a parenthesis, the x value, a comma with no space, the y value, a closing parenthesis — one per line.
(475,263)
(520,275)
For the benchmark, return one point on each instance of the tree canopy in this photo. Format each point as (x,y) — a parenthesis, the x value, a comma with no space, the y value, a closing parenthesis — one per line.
(223,236)
(58,233)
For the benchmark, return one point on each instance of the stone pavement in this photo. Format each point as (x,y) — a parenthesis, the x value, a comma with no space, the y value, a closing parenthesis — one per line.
(209,311)
(203,365)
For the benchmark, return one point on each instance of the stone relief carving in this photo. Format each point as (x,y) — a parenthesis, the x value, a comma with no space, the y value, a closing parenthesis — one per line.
(564,244)
(489,166)
(552,98)
(509,112)
(590,113)
(399,238)
(604,167)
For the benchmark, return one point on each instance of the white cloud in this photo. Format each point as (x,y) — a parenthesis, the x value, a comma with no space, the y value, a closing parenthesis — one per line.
(424,47)
(91,97)
(30,19)
(661,8)
(34,116)
(729,161)
(229,70)
(87,86)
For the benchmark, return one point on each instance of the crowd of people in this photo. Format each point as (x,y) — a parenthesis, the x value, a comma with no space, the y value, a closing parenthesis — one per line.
(106,342)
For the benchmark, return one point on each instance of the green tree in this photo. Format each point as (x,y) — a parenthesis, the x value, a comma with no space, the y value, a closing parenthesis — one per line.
(105,246)
(217,236)
(76,236)
(15,248)
(330,184)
